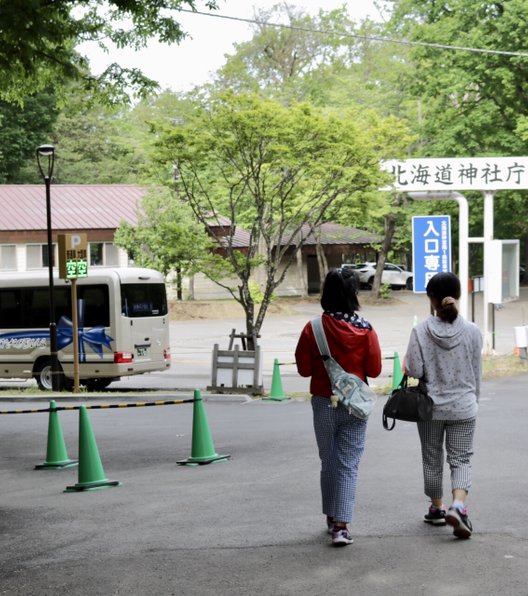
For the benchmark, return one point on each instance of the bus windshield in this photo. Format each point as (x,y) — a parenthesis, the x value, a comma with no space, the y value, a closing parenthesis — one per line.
(143,300)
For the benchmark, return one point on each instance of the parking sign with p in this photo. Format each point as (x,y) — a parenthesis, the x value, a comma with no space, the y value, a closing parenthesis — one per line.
(73,255)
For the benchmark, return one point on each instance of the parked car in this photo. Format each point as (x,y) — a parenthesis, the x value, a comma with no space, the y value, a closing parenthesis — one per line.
(394,275)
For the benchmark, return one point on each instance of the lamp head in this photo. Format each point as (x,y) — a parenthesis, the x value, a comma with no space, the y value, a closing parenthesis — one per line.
(46,152)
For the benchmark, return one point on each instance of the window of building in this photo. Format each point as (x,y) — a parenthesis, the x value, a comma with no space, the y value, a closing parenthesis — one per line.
(7,257)
(37,256)
(104,254)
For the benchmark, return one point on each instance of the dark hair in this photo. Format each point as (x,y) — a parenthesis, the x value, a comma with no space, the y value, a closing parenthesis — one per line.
(445,289)
(340,291)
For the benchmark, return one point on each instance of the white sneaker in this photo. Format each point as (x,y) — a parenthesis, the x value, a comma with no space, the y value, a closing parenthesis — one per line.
(341,537)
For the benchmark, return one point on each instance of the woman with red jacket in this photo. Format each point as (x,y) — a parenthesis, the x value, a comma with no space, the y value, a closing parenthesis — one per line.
(340,435)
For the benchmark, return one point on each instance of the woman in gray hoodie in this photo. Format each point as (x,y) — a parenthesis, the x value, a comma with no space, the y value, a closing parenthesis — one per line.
(445,351)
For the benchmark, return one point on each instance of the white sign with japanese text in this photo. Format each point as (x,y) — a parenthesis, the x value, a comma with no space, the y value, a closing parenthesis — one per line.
(461,173)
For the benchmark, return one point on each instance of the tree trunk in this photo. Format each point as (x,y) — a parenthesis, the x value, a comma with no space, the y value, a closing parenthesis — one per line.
(179,290)
(322,263)
(303,282)
(390,226)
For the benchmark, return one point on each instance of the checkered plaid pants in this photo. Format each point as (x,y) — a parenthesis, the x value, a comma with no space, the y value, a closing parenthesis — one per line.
(341,441)
(458,438)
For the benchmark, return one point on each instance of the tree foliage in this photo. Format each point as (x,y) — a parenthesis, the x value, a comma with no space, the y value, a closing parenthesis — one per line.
(37,45)
(269,169)
(326,59)
(277,57)
(98,144)
(167,237)
(473,103)
(22,130)
(331,61)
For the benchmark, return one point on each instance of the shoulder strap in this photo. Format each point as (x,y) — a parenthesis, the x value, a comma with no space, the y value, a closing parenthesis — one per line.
(320,337)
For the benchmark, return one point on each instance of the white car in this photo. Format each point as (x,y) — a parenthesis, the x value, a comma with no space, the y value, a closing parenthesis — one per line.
(394,275)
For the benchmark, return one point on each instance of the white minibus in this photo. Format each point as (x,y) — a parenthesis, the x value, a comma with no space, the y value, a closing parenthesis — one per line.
(123,326)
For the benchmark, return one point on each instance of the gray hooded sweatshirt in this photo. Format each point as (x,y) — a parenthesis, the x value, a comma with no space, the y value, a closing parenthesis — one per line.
(448,357)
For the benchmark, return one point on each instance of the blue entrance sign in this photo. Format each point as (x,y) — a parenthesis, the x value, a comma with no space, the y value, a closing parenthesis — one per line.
(431,236)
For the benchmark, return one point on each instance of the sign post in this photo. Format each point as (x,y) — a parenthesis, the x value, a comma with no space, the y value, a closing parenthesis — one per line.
(73,263)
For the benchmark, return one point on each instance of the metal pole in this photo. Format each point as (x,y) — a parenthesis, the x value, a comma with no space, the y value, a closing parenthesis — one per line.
(486,306)
(463,250)
(55,376)
(75,321)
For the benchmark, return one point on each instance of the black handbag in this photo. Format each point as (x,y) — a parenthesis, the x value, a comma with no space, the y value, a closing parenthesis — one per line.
(407,403)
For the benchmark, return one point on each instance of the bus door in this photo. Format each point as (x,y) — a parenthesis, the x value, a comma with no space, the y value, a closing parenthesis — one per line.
(144,310)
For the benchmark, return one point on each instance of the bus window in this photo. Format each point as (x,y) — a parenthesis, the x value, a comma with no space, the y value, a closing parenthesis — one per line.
(96,305)
(62,303)
(36,308)
(10,308)
(143,300)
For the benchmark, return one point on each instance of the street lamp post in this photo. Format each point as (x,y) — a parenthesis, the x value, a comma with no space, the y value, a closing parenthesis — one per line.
(45,160)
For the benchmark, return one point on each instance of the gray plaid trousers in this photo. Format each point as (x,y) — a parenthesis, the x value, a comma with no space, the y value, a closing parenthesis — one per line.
(458,438)
(340,439)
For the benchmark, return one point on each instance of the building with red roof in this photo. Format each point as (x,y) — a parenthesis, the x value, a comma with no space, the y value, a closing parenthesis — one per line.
(97,210)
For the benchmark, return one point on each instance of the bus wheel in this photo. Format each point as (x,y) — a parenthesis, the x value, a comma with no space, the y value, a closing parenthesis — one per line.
(42,374)
(97,384)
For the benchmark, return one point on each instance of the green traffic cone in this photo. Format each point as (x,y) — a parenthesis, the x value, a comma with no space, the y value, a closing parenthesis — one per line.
(397,374)
(202,451)
(91,473)
(56,455)
(277,392)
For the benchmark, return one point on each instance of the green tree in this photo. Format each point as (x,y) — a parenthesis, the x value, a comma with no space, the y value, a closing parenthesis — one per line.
(277,58)
(167,238)
(37,45)
(473,103)
(269,169)
(95,143)
(22,130)
(327,59)
(333,62)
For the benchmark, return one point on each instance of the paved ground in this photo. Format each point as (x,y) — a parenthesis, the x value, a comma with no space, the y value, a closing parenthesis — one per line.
(252,525)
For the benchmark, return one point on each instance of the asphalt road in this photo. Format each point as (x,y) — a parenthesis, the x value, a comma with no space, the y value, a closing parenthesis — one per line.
(252,525)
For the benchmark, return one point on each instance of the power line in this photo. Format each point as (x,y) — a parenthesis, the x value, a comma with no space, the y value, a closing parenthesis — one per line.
(358,36)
